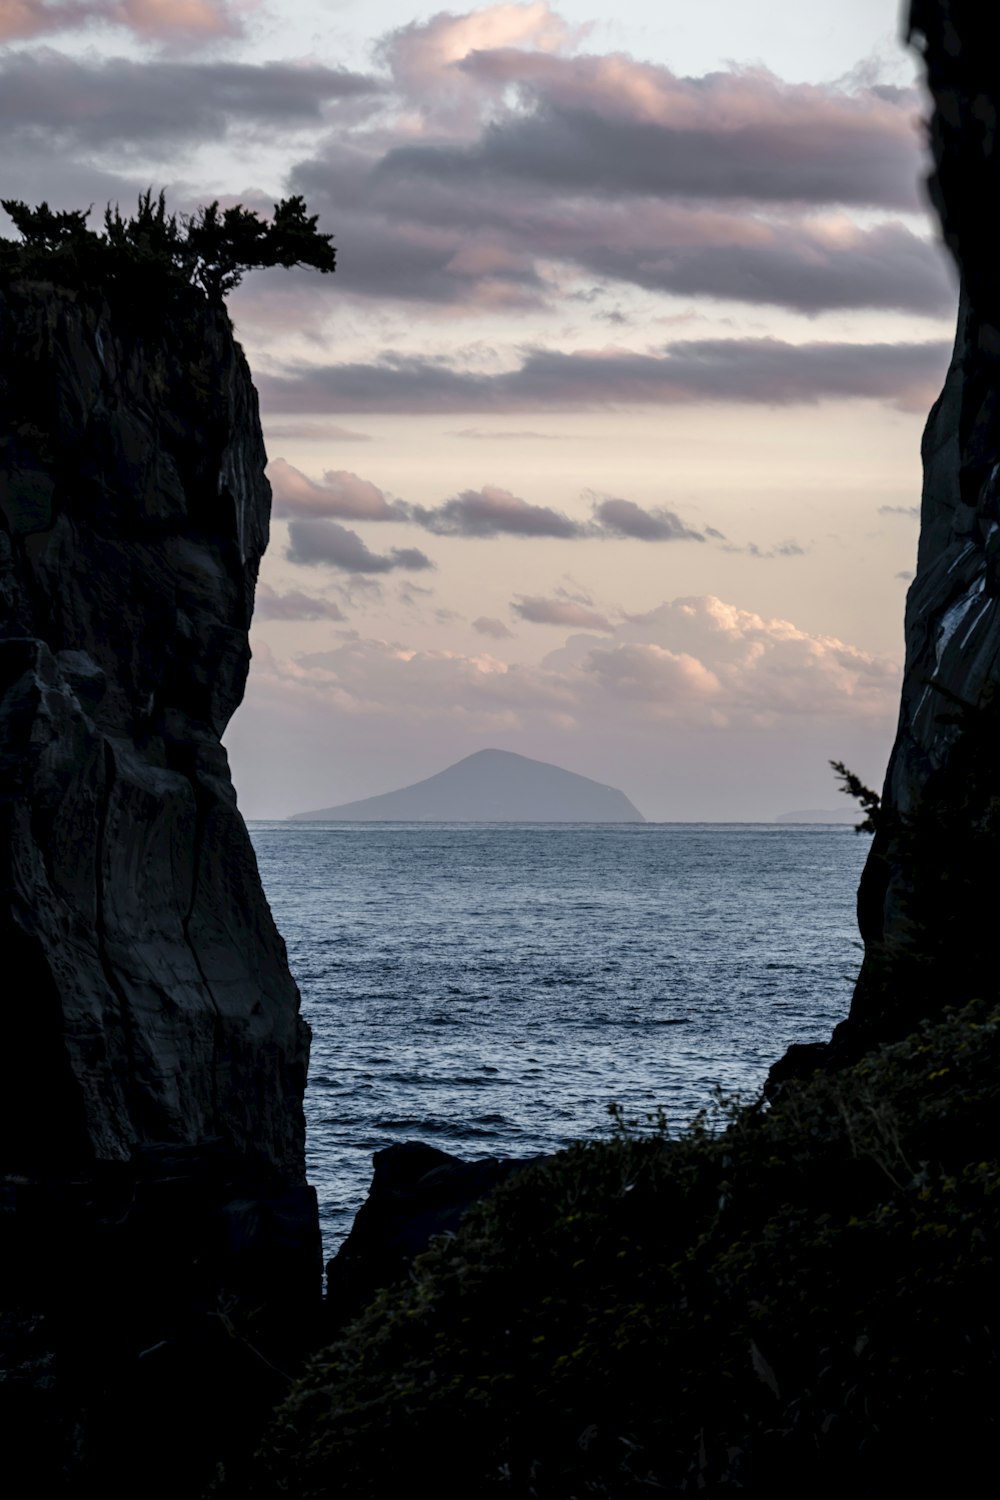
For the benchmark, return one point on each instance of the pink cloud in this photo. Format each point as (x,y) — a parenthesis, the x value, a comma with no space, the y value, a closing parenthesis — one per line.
(150,20)
(426,58)
(340,494)
(697,661)
(499,150)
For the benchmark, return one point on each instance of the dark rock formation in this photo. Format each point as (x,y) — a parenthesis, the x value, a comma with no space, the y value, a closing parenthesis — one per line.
(417,1192)
(931,886)
(491,786)
(154,1060)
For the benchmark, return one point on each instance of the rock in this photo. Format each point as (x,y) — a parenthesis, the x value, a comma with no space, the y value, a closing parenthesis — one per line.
(928,896)
(417,1192)
(153,1059)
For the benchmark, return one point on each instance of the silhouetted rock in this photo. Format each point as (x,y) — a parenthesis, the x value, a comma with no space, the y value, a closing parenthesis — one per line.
(417,1192)
(491,786)
(153,1059)
(929,893)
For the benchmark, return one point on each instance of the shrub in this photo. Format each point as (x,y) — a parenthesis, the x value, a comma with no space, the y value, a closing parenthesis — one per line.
(211,250)
(802,1302)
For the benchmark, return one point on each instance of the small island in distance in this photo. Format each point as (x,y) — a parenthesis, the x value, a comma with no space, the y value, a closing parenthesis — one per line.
(837,815)
(490,786)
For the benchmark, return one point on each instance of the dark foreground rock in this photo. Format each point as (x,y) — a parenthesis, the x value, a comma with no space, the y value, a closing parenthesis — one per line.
(155,1211)
(417,1192)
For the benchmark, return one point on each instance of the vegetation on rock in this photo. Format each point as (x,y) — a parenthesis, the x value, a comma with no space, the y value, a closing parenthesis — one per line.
(937,859)
(160,252)
(803,1302)
(852,786)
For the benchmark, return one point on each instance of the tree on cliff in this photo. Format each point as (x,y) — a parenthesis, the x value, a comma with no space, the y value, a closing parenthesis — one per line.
(212,249)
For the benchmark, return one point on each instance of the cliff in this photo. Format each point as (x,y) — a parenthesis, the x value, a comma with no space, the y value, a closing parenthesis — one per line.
(153,1060)
(157,1006)
(491,786)
(929,891)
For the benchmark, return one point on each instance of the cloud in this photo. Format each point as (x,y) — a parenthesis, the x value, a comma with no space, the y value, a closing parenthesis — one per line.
(617,126)
(766,668)
(330,432)
(695,661)
(541,611)
(487,512)
(789,548)
(581,126)
(496,629)
(653,674)
(911,512)
(490,163)
(501,162)
(492,511)
(293,605)
(626,519)
(150,20)
(324,543)
(441,243)
(808,266)
(485,435)
(341,494)
(83,102)
(753,371)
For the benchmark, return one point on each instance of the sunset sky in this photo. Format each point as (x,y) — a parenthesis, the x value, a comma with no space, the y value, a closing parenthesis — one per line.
(602,444)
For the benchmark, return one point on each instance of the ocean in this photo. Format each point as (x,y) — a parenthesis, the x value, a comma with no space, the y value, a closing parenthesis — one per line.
(492,988)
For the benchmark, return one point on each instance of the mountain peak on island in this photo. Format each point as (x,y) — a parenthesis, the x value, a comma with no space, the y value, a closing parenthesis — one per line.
(490,786)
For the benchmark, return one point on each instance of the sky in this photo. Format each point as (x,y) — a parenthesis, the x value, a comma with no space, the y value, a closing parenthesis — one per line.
(602,443)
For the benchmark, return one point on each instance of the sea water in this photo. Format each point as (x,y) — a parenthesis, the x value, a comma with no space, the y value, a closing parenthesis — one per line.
(492,988)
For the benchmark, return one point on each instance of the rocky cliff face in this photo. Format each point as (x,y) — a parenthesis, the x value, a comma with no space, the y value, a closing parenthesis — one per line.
(153,1058)
(148,997)
(928,899)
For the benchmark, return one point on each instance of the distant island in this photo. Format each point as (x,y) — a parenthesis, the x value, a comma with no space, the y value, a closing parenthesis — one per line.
(822,815)
(491,786)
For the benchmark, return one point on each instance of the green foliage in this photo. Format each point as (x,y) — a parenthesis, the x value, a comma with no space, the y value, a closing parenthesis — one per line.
(803,1302)
(159,252)
(870,801)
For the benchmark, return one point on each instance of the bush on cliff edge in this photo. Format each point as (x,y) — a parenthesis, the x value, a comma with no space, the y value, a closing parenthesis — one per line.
(154,253)
(801,1302)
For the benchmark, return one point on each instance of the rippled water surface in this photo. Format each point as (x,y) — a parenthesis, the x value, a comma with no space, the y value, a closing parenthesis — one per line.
(490,989)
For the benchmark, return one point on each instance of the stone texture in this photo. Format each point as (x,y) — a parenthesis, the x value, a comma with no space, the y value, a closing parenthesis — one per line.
(160,1245)
(152,1001)
(930,889)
